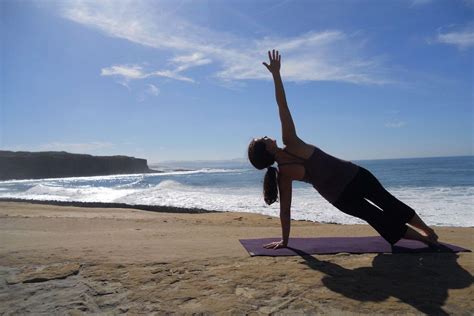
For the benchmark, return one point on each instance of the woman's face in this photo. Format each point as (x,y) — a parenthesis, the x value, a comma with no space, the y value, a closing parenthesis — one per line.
(270,143)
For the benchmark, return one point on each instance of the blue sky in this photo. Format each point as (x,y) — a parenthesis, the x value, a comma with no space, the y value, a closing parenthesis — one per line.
(183,80)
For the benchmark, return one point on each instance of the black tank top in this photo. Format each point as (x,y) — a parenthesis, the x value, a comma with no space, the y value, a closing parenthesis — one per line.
(300,161)
(328,175)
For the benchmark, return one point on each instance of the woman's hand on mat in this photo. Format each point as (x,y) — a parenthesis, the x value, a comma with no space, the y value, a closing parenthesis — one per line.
(275,62)
(275,245)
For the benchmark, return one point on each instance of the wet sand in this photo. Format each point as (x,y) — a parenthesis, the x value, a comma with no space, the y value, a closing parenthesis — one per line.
(73,260)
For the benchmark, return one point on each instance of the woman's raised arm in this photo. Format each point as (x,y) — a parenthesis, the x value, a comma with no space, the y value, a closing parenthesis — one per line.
(287,126)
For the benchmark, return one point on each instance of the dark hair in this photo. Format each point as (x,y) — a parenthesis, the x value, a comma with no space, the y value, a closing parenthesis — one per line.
(260,158)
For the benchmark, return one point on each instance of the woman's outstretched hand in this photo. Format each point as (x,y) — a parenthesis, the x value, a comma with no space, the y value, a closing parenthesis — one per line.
(275,245)
(275,62)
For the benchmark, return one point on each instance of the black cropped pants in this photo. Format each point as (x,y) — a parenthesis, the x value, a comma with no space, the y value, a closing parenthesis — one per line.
(390,215)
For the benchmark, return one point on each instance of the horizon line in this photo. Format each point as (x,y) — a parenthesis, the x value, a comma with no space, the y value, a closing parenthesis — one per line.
(365,159)
(232,159)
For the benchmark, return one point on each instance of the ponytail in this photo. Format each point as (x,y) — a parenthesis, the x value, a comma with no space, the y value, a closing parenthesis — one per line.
(270,186)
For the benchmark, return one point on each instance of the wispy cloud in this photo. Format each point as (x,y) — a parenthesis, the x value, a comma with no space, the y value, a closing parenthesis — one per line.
(134,72)
(314,56)
(395,124)
(171,74)
(187,61)
(463,39)
(179,64)
(317,55)
(153,90)
(125,71)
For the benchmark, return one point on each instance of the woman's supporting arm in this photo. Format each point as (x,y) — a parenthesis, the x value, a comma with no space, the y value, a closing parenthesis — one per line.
(287,126)
(285,188)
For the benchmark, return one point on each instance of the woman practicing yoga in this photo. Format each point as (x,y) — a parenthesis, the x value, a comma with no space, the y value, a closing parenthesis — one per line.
(345,185)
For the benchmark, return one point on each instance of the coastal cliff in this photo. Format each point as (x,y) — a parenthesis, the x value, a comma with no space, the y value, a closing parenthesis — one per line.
(59,164)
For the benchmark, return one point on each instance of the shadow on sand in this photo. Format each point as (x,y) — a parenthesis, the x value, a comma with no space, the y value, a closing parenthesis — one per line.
(421,280)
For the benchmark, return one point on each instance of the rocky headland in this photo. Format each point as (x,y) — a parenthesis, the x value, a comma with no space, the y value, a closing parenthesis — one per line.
(58,164)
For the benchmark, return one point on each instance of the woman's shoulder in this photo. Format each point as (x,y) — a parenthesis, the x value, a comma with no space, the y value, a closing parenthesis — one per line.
(300,149)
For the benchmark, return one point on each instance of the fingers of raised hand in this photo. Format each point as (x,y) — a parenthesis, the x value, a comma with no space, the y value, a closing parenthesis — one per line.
(275,59)
(273,55)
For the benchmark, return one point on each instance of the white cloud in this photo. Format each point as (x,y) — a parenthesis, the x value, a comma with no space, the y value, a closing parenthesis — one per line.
(187,61)
(327,55)
(395,124)
(462,39)
(125,71)
(171,74)
(134,72)
(153,90)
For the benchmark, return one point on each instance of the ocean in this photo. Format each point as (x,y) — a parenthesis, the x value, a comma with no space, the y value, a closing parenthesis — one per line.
(441,190)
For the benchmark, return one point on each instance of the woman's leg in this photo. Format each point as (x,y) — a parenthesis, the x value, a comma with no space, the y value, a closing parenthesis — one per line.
(377,194)
(382,223)
(392,231)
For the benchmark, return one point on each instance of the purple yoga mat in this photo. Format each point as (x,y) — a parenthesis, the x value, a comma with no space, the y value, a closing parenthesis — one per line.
(330,245)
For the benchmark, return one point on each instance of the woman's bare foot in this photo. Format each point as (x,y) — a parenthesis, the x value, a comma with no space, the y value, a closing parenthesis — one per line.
(417,222)
(430,233)
(415,235)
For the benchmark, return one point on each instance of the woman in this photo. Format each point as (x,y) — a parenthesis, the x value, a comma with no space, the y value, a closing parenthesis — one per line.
(345,185)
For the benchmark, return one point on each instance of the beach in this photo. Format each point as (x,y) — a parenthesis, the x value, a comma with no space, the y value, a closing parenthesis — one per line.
(74,260)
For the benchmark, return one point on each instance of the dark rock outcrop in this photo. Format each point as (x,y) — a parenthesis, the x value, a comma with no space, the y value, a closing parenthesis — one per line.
(58,164)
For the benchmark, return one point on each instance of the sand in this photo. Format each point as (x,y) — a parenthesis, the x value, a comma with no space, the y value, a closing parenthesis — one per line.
(76,260)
